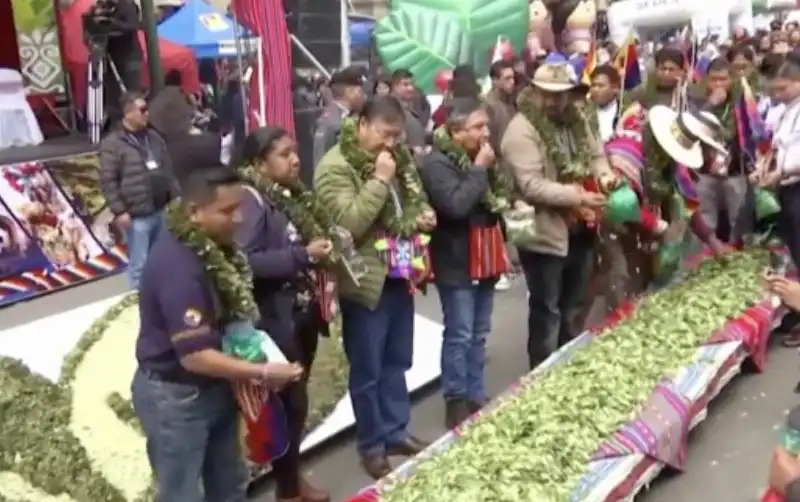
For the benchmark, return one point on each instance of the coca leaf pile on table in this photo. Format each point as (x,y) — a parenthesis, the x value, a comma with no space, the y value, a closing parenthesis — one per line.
(537,444)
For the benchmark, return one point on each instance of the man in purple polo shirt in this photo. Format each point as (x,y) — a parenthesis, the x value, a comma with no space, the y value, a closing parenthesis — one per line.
(181,389)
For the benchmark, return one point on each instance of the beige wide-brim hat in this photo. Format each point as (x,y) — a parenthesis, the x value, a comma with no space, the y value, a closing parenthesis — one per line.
(555,77)
(705,127)
(663,121)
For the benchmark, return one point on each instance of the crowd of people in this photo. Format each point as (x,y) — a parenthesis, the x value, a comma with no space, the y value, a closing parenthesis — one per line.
(403,198)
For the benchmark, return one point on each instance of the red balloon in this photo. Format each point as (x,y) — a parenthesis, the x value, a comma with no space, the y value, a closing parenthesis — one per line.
(442,79)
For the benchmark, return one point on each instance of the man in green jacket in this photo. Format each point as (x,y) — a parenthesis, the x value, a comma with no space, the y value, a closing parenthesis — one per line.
(370,185)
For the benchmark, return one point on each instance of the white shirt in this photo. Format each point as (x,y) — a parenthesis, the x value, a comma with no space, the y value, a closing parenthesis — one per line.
(786,141)
(605,119)
(771,112)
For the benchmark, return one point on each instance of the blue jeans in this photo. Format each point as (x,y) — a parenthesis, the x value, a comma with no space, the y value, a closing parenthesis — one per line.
(192,435)
(139,239)
(379,345)
(467,323)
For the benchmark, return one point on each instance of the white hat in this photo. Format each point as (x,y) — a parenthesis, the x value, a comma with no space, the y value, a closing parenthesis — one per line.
(677,142)
(705,127)
(555,77)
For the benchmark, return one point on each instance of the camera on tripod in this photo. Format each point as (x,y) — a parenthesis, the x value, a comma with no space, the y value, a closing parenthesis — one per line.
(98,23)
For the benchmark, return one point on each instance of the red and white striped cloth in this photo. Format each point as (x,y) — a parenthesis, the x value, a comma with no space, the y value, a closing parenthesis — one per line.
(267,19)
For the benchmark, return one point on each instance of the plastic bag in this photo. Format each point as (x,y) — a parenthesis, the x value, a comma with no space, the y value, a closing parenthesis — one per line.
(243,341)
(520,226)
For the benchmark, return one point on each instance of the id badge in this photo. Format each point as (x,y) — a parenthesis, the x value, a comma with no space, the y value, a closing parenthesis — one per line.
(151,165)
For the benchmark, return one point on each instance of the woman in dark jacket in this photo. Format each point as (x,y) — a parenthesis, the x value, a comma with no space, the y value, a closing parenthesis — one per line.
(284,241)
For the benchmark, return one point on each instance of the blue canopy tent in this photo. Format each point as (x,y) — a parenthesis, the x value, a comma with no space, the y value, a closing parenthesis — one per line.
(206,31)
(211,34)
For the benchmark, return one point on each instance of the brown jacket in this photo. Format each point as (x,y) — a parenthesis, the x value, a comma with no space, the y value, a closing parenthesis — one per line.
(501,111)
(537,180)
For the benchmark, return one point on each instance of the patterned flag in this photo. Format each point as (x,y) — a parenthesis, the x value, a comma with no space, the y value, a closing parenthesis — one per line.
(267,19)
(627,63)
(751,132)
(266,433)
(589,63)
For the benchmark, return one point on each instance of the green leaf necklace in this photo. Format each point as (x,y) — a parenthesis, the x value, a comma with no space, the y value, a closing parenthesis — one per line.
(573,160)
(225,267)
(495,198)
(410,187)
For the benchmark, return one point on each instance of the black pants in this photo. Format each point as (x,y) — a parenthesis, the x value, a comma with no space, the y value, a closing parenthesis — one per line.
(789,231)
(295,401)
(558,288)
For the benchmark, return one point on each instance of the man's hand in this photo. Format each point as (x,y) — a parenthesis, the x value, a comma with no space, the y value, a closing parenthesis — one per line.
(279,375)
(786,289)
(426,221)
(521,205)
(486,156)
(771,178)
(123,221)
(756,176)
(608,182)
(593,200)
(385,166)
(717,96)
(319,248)
(783,469)
(718,247)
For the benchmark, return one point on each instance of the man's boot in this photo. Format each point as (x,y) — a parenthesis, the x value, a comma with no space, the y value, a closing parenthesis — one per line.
(456,411)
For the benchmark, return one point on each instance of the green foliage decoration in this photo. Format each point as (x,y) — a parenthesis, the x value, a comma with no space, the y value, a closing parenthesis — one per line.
(33,15)
(36,441)
(536,445)
(427,36)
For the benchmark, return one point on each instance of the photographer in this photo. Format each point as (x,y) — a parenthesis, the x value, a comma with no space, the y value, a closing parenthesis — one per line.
(111,28)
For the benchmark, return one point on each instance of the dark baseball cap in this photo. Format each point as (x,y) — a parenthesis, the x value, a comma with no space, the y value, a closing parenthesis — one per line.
(350,76)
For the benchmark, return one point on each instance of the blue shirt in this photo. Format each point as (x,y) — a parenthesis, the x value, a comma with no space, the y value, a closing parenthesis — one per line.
(177,310)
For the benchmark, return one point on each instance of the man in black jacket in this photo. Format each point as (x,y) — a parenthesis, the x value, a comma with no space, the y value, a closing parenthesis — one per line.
(137,181)
(467,249)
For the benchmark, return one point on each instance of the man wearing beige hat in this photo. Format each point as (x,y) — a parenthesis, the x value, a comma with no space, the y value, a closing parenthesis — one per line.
(553,154)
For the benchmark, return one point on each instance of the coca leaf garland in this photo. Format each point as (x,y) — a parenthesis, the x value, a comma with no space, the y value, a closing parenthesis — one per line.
(301,207)
(409,185)
(496,197)
(572,167)
(225,267)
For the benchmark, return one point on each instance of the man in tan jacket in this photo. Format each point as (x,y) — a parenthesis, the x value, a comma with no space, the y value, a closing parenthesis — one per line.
(551,151)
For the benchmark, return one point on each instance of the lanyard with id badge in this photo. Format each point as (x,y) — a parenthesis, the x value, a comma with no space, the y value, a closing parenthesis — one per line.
(144,148)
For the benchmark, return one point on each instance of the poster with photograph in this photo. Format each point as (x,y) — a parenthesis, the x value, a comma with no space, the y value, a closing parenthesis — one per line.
(43,211)
(18,251)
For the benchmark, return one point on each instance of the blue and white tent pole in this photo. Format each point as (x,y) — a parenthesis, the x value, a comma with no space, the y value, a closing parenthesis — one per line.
(344,25)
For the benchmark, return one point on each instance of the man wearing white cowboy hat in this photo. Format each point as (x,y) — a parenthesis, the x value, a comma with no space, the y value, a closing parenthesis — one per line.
(688,139)
(553,153)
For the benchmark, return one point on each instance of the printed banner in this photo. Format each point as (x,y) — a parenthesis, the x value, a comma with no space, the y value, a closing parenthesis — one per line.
(18,251)
(52,238)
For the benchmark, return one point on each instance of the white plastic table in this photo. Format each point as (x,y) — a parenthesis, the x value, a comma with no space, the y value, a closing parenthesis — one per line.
(18,124)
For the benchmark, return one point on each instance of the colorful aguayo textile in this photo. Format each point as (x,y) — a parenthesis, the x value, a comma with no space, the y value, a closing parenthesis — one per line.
(614,403)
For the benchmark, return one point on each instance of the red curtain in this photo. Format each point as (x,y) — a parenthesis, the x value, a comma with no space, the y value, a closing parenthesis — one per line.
(9,55)
(267,19)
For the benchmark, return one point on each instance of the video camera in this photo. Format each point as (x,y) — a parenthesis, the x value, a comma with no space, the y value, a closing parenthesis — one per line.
(98,23)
